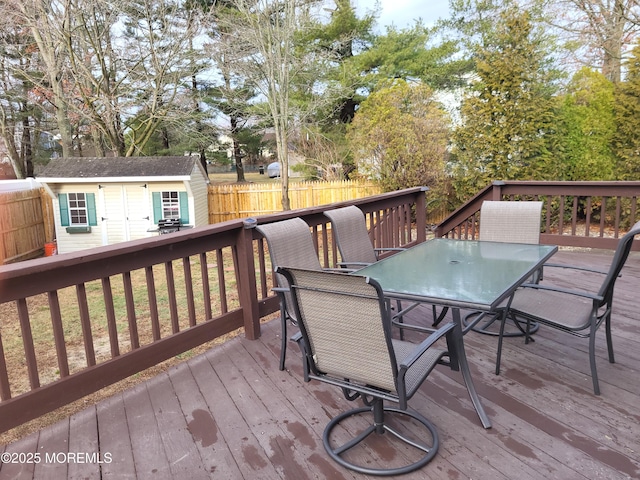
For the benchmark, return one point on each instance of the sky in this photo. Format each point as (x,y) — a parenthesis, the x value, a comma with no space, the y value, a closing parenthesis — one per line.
(402,13)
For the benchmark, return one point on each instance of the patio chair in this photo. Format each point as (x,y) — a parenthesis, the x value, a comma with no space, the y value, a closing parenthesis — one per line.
(515,222)
(345,338)
(573,311)
(349,229)
(290,243)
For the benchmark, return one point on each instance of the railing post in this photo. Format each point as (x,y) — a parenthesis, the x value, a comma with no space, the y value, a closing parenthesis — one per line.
(496,193)
(421,218)
(247,289)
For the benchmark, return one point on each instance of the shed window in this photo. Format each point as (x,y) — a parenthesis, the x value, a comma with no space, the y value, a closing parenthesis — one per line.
(78,214)
(77,209)
(170,205)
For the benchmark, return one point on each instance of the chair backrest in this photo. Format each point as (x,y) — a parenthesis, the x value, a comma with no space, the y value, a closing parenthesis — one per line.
(344,324)
(349,229)
(290,244)
(517,222)
(619,258)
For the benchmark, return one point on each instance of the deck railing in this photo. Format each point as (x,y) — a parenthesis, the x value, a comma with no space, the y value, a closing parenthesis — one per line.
(88,319)
(580,214)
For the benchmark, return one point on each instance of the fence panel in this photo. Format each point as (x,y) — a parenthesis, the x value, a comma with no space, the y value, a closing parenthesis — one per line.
(23,217)
(229,202)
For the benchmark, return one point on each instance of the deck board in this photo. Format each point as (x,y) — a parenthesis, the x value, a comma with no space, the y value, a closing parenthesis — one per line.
(230,413)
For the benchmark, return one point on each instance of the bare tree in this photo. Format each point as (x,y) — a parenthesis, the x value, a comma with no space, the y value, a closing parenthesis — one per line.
(264,34)
(602,29)
(115,71)
(49,23)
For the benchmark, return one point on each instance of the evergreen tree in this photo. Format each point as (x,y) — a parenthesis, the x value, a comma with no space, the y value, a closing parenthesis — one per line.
(627,138)
(507,118)
(588,123)
(399,137)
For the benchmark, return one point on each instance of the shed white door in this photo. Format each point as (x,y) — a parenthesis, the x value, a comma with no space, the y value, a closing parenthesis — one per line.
(125,212)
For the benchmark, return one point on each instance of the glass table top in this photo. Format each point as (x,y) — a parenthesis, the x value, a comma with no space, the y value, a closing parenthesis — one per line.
(458,273)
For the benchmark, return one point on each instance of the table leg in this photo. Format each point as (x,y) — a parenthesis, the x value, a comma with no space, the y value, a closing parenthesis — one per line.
(464,368)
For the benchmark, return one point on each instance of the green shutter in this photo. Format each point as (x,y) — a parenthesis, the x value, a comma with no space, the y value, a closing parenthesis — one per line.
(157,207)
(91,208)
(184,208)
(64,209)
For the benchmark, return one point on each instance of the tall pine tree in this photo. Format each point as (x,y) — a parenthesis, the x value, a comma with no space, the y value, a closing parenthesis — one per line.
(627,138)
(506,120)
(587,114)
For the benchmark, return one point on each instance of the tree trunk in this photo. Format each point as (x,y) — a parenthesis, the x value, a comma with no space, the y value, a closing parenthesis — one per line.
(27,150)
(237,154)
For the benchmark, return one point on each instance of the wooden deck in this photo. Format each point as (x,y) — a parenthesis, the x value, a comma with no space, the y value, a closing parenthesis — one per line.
(231,414)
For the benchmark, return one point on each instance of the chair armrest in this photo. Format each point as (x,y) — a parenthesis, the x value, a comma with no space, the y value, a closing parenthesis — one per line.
(574,267)
(390,249)
(425,345)
(567,291)
(344,265)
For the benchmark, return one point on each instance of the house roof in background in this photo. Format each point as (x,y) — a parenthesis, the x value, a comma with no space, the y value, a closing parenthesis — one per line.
(117,168)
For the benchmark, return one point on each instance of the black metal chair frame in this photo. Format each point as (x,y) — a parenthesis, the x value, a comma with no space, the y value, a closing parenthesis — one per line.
(600,309)
(336,287)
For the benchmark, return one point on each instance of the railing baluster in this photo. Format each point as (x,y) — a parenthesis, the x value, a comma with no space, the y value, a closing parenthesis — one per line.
(27,341)
(206,287)
(131,311)
(325,245)
(188,284)
(85,323)
(171,293)
(561,216)
(153,303)
(616,226)
(58,333)
(111,317)
(222,284)
(5,389)
(587,222)
(574,215)
(603,215)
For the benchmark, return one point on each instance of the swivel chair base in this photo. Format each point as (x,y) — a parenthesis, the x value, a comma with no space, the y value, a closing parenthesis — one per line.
(379,427)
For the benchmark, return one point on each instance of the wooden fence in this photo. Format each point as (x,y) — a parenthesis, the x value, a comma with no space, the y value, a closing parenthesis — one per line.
(229,202)
(26,224)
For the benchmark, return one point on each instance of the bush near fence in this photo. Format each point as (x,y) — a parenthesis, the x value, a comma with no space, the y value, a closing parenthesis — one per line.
(232,201)
(26,224)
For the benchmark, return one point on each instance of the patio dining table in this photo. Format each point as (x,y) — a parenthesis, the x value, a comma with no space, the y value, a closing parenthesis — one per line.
(459,274)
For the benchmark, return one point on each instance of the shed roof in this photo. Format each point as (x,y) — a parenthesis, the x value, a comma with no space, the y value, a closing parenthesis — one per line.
(75,168)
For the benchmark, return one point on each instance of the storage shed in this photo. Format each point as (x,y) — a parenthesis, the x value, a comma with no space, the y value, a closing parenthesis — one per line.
(104,200)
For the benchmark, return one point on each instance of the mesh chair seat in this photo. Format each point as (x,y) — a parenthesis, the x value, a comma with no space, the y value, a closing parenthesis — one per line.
(416,373)
(568,311)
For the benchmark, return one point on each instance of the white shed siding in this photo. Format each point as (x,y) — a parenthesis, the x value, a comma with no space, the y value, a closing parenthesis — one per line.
(71,242)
